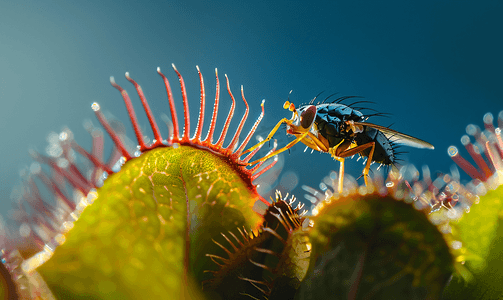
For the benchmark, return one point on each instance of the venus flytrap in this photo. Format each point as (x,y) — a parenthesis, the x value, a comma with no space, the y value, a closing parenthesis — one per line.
(175,218)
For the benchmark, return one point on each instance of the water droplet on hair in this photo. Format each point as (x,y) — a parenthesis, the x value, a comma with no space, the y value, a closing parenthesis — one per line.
(63,136)
(95,106)
(456,245)
(452,151)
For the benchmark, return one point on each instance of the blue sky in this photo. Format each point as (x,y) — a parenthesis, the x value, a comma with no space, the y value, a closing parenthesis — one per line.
(434,65)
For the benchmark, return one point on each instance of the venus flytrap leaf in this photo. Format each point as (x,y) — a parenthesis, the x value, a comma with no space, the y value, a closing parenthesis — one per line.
(140,231)
(126,248)
(375,247)
(481,234)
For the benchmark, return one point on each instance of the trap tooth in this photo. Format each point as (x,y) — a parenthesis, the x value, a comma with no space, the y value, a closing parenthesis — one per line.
(444,194)
(464,164)
(488,119)
(487,153)
(269,264)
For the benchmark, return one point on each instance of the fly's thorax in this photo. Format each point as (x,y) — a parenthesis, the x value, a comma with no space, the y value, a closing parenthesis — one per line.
(339,111)
(331,121)
(334,131)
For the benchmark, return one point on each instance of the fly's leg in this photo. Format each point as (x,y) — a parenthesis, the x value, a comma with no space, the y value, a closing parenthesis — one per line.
(356,150)
(369,161)
(341,172)
(269,137)
(319,144)
(341,175)
(288,146)
(336,154)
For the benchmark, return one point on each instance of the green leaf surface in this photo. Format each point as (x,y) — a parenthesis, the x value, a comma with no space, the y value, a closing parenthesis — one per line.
(147,233)
(481,234)
(374,247)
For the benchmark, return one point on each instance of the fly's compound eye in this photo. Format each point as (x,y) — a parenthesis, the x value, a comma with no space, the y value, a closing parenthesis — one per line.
(307,116)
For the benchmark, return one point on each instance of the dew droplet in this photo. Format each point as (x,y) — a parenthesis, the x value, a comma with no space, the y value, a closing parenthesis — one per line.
(63,136)
(95,106)
(456,245)
(116,167)
(452,151)
(488,118)
(465,140)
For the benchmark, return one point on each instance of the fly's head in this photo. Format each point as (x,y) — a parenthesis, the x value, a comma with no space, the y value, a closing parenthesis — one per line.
(303,119)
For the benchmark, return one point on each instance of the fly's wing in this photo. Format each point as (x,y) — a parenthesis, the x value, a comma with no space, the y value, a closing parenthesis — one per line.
(399,138)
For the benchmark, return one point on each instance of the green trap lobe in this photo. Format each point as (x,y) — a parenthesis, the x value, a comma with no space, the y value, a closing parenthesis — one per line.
(480,232)
(373,247)
(131,243)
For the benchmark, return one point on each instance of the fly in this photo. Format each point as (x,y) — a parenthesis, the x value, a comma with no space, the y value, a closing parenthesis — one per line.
(342,131)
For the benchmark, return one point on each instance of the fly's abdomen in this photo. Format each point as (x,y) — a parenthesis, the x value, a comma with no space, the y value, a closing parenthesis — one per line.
(383,152)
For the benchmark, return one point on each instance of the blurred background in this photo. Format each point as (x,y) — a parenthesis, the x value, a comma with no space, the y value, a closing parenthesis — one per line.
(435,66)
